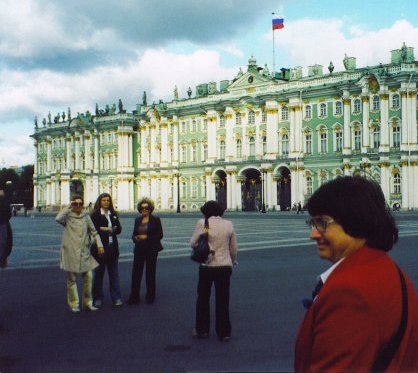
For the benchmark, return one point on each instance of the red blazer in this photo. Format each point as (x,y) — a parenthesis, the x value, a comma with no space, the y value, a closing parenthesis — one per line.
(356,313)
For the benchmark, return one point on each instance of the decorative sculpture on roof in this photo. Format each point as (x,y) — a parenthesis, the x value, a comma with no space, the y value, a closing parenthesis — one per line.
(69,114)
(36,122)
(120,105)
(331,67)
(144,98)
(189,92)
(176,93)
(345,61)
(404,52)
(49,117)
(44,122)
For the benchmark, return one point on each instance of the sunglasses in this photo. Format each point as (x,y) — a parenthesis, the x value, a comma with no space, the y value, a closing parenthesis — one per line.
(145,208)
(77,204)
(320,223)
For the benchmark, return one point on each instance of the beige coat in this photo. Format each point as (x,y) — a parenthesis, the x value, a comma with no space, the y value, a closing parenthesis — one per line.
(222,241)
(75,246)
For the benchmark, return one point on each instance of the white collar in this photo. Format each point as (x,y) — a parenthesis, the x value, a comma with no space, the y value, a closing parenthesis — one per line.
(104,213)
(324,276)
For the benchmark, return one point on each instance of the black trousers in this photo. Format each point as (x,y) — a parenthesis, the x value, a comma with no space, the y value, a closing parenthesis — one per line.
(150,262)
(220,276)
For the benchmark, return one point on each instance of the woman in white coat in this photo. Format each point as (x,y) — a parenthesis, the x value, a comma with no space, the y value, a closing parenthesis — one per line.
(75,252)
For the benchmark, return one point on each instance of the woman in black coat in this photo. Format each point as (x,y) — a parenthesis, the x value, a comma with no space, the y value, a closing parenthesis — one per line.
(6,236)
(106,222)
(147,235)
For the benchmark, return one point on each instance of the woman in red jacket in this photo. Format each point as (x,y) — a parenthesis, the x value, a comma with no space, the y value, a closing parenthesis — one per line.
(365,316)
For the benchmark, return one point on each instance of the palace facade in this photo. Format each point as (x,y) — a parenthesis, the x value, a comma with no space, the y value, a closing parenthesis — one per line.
(260,141)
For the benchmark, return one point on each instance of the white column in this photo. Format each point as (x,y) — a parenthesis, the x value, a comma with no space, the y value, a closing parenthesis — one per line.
(229,143)
(96,153)
(212,145)
(65,190)
(384,124)
(385,179)
(272,127)
(48,154)
(164,191)
(228,190)
(144,147)
(347,131)
(238,196)
(209,190)
(164,144)
(365,127)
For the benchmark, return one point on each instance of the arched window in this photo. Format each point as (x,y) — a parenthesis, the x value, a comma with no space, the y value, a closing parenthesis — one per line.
(252,146)
(376,103)
(395,101)
(285,144)
(338,140)
(285,113)
(397,183)
(308,143)
(238,119)
(251,117)
(239,148)
(322,110)
(308,112)
(323,141)
(338,108)
(357,139)
(205,152)
(222,150)
(375,138)
(221,121)
(309,186)
(396,136)
(193,153)
(183,189)
(193,187)
(264,116)
(194,127)
(356,106)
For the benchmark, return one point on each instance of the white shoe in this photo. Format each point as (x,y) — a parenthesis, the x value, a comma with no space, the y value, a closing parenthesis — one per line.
(90,308)
(75,309)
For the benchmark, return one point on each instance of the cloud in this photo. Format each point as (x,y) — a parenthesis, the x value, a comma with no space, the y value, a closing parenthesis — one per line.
(325,40)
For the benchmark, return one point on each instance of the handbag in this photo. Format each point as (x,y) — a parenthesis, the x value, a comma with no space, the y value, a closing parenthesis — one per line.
(201,252)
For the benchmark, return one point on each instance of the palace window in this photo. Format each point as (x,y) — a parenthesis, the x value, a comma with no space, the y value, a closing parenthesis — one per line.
(183,153)
(322,110)
(323,142)
(183,189)
(193,153)
(376,103)
(308,112)
(205,125)
(264,116)
(308,143)
(338,108)
(338,140)
(203,187)
(238,119)
(397,183)
(285,113)
(222,150)
(194,126)
(193,187)
(309,186)
(222,121)
(395,101)
(323,179)
(356,106)
(252,146)
(205,152)
(285,144)
(396,136)
(183,127)
(239,148)
(375,138)
(264,144)
(251,117)
(357,139)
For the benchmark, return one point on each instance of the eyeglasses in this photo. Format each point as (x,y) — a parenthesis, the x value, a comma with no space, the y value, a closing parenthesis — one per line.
(145,208)
(320,223)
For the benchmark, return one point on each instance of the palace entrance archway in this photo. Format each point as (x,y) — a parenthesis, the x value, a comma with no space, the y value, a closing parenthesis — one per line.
(284,188)
(76,187)
(251,190)
(220,187)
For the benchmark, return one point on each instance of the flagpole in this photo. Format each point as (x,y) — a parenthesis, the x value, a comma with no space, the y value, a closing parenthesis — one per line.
(274,53)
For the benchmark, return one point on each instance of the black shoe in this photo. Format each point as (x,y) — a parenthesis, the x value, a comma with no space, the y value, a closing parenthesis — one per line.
(150,300)
(199,335)
(227,338)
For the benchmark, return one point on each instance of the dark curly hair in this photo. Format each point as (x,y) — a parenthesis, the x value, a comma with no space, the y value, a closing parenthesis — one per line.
(212,208)
(359,206)
(97,204)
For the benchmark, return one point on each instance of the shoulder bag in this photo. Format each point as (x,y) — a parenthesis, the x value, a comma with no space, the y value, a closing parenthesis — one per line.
(200,253)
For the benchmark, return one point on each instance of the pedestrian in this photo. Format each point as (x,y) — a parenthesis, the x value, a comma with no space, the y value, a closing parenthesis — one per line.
(299,210)
(147,236)
(365,316)
(75,252)
(217,270)
(6,234)
(107,224)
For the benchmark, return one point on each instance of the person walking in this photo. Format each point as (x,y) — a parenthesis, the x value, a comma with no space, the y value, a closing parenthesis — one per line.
(147,236)
(363,315)
(107,224)
(217,270)
(75,252)
(6,234)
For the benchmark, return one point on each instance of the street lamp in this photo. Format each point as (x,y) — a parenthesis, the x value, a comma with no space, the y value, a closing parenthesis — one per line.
(178,192)
(263,197)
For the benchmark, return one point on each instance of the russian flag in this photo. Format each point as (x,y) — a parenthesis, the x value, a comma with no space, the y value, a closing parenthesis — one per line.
(278,23)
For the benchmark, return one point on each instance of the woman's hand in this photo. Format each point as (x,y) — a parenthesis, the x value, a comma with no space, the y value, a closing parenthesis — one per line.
(100,250)
(106,229)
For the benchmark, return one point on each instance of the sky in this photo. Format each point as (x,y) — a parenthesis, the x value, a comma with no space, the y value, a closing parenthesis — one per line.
(56,54)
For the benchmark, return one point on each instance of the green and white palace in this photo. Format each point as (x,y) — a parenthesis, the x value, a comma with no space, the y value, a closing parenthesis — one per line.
(260,141)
